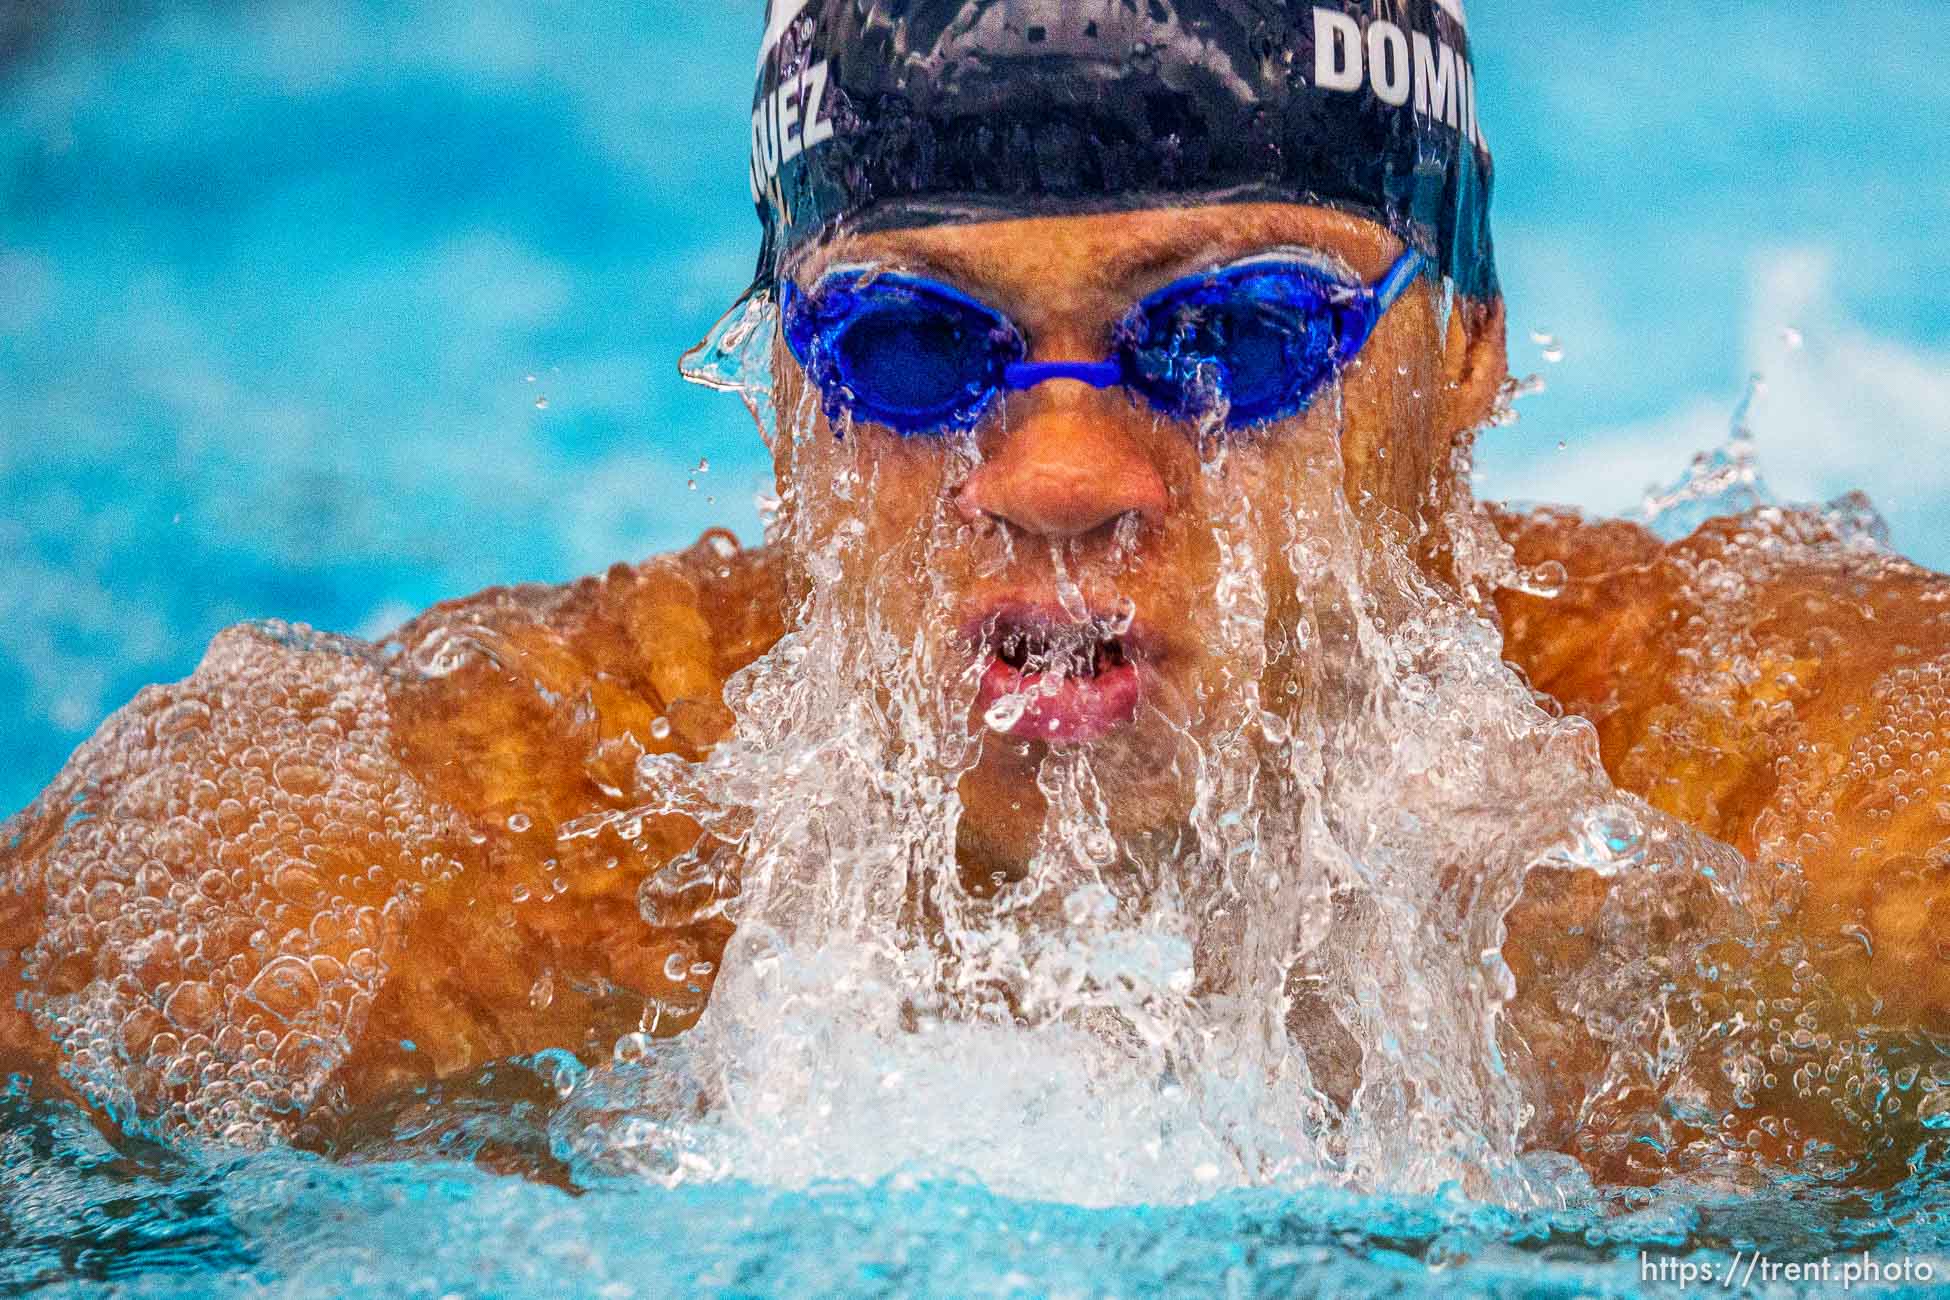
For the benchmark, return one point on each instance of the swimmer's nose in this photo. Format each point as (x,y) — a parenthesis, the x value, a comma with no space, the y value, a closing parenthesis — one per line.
(1064,471)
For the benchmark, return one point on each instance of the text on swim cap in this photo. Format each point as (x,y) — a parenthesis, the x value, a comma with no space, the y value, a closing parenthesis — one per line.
(787,122)
(1351,54)
(1396,65)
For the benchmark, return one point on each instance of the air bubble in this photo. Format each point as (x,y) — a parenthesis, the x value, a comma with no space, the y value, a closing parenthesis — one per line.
(1006,712)
(631,1048)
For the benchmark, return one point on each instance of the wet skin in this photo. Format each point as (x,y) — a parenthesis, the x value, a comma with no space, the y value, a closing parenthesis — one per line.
(1088,472)
(1767,727)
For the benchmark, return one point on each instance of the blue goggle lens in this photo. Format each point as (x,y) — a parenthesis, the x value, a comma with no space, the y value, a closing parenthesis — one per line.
(915,356)
(1261,339)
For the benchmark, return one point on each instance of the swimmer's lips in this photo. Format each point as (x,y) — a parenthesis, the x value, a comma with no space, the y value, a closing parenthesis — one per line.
(1083,708)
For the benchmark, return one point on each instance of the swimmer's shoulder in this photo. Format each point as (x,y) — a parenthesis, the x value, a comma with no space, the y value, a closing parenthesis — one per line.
(292,854)
(200,904)
(1781,680)
(492,689)
(1704,662)
(525,711)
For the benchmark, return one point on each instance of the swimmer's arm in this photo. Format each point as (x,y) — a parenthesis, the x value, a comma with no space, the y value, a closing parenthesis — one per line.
(23,842)
(531,730)
(236,909)
(319,870)
(1862,800)
(1804,722)
(203,906)
(1811,728)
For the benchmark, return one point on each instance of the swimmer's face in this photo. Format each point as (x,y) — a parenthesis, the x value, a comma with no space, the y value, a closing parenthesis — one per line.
(972,541)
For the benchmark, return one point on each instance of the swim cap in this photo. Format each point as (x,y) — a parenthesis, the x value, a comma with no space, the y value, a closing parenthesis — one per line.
(889,113)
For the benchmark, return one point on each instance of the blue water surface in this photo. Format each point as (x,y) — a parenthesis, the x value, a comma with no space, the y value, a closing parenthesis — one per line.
(82,1216)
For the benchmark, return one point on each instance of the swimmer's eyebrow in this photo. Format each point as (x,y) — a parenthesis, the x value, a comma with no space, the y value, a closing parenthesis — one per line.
(1140,266)
(1142,259)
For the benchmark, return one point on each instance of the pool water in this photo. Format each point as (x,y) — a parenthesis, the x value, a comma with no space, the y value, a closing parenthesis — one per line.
(83,1213)
(328,311)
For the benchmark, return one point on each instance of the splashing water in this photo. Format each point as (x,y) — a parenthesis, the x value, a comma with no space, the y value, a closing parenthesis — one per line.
(1724,481)
(1301,991)
(1307,984)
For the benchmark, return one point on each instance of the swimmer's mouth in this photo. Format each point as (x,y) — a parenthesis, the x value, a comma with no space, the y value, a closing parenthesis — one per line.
(1046,676)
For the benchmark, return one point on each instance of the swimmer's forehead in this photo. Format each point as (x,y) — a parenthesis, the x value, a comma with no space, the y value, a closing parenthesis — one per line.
(1115,253)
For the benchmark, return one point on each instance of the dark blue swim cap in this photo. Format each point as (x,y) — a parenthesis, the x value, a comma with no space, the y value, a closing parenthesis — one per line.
(889,113)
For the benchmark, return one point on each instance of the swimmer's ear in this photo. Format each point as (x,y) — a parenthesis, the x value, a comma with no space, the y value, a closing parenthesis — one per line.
(1475,363)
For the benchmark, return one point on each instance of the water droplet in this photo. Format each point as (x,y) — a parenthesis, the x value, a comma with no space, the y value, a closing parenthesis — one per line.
(299,777)
(1006,712)
(1122,616)
(194,1007)
(660,729)
(633,1047)
(560,1067)
(541,403)
(1092,904)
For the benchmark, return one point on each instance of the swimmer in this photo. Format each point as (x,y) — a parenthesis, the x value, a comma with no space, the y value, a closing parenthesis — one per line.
(1058,286)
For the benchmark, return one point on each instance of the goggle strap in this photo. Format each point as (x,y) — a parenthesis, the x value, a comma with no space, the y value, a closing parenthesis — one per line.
(1375,304)
(1393,285)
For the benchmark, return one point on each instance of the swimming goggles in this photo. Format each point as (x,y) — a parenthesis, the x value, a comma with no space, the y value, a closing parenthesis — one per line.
(1257,339)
